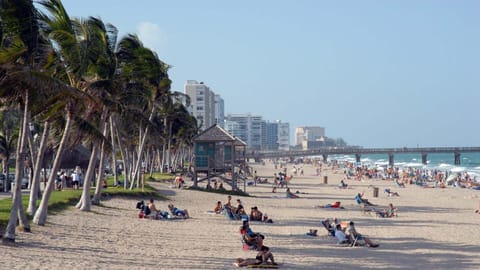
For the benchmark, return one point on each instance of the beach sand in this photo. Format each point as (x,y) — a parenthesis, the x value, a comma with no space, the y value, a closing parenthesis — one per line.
(436,229)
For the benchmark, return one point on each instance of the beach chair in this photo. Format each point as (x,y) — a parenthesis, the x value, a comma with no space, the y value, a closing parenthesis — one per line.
(247,244)
(356,240)
(330,230)
(363,207)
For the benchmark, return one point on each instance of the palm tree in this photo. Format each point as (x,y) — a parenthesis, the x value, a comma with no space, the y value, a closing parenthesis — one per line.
(6,149)
(23,56)
(73,57)
(143,71)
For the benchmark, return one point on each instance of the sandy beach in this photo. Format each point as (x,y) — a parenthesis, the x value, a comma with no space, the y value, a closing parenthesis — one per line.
(435,229)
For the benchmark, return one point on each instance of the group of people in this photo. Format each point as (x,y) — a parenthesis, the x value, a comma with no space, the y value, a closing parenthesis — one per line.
(149,210)
(238,212)
(347,234)
(251,240)
(217,185)
(254,241)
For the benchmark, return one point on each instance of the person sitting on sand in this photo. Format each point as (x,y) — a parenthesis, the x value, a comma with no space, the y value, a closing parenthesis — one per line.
(228,204)
(290,194)
(332,205)
(255,214)
(264,255)
(218,208)
(177,212)
(355,236)
(342,184)
(239,208)
(388,212)
(153,209)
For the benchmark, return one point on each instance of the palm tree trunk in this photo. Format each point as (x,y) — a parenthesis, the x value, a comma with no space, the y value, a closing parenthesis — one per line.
(35,185)
(41,214)
(164,146)
(142,145)
(9,235)
(98,188)
(124,158)
(85,202)
(114,153)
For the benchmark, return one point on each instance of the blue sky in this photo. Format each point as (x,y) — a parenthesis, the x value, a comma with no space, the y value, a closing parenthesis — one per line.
(376,73)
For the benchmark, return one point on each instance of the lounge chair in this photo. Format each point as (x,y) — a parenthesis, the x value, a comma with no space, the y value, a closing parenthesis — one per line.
(363,207)
(326,224)
(247,242)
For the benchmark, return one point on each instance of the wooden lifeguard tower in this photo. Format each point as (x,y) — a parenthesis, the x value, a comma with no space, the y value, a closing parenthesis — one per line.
(218,154)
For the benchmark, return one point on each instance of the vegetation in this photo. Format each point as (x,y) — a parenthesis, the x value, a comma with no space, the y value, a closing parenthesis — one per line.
(61,200)
(70,86)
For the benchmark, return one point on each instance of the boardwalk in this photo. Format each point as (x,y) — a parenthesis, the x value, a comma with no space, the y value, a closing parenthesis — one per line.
(359,151)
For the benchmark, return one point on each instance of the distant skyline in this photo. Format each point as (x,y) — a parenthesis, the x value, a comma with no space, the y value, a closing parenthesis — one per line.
(375,73)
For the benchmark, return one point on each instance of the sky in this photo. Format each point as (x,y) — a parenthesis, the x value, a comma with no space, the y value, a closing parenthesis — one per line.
(375,73)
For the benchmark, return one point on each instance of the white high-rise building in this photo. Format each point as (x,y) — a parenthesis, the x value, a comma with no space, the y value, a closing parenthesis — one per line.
(202,103)
(248,128)
(276,136)
(283,136)
(219,111)
(308,134)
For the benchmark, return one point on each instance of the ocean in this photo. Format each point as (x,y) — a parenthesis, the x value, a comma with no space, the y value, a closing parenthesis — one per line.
(469,162)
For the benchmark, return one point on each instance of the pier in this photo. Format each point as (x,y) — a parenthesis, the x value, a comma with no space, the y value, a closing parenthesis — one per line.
(359,151)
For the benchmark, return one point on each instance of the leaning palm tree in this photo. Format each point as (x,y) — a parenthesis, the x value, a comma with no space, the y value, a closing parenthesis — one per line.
(73,58)
(141,69)
(23,58)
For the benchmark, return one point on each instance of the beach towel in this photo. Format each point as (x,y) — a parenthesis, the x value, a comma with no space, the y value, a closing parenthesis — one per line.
(268,266)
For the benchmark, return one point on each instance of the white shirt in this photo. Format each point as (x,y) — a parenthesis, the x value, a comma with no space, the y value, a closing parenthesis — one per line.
(340,235)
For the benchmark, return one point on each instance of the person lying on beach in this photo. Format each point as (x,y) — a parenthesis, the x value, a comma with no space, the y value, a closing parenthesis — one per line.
(331,205)
(177,212)
(218,208)
(391,193)
(290,194)
(354,236)
(241,262)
